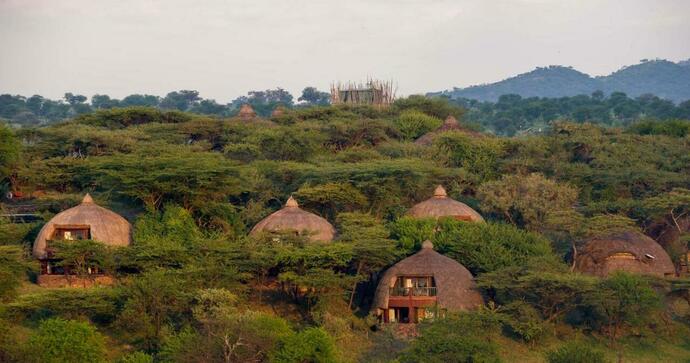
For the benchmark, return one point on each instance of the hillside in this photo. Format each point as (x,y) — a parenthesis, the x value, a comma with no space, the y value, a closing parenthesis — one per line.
(268,240)
(662,78)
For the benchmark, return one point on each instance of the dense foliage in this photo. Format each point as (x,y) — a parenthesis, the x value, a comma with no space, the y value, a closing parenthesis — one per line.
(194,287)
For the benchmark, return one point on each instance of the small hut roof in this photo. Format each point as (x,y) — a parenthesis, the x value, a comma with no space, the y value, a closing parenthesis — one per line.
(246,111)
(627,251)
(105,225)
(440,205)
(456,289)
(278,111)
(450,124)
(292,217)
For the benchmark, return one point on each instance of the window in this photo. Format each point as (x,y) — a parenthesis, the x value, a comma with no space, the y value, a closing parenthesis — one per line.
(71,233)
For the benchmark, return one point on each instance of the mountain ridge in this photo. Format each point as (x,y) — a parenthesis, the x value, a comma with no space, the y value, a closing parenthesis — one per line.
(660,77)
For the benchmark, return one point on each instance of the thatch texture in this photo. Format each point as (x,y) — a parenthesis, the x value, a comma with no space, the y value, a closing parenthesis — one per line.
(105,226)
(454,283)
(450,124)
(627,251)
(246,112)
(293,218)
(278,111)
(441,206)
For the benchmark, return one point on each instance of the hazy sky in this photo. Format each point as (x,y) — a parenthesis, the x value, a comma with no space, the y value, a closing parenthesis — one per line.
(224,48)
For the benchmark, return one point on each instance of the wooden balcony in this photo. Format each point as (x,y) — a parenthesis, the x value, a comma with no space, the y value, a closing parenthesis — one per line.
(412,297)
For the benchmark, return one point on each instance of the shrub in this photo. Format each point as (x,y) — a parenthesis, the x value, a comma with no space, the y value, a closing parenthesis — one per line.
(65,341)
(309,345)
(480,247)
(135,357)
(413,124)
(462,338)
(575,352)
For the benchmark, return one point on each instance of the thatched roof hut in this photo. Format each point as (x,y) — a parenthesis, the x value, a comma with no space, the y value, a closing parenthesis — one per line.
(454,284)
(441,206)
(278,111)
(293,218)
(626,251)
(246,112)
(450,124)
(88,219)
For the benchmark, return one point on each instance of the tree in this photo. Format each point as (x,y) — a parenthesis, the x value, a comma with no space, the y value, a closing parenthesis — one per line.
(310,345)
(624,300)
(413,124)
(544,284)
(154,301)
(12,267)
(82,257)
(140,100)
(526,200)
(313,97)
(174,175)
(73,99)
(331,198)
(465,338)
(372,248)
(180,100)
(66,341)
(234,335)
(481,247)
(9,152)
(103,101)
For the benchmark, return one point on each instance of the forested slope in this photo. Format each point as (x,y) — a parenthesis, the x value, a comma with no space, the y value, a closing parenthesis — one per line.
(194,287)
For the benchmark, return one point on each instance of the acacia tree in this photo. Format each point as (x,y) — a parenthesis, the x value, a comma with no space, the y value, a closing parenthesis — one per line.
(372,249)
(623,300)
(174,174)
(82,257)
(526,200)
(239,336)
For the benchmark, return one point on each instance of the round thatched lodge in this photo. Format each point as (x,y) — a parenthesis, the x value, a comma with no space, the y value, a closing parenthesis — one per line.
(440,205)
(85,221)
(422,286)
(627,251)
(293,218)
(246,112)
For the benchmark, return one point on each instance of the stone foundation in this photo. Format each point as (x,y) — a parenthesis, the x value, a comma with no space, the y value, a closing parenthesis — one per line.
(74,281)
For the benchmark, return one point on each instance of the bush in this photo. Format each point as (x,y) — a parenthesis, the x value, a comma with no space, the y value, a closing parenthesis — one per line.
(136,357)
(310,345)
(462,338)
(66,341)
(575,352)
(481,247)
(413,124)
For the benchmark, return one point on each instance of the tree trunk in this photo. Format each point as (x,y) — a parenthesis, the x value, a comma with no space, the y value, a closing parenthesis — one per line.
(354,285)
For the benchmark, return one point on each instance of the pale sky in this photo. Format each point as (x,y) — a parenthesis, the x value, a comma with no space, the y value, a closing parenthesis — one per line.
(224,48)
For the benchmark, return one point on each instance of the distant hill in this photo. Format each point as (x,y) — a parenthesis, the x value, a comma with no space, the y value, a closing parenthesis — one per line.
(662,78)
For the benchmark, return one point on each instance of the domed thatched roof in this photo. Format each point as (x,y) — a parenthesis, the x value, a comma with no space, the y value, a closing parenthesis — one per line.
(105,225)
(450,124)
(278,111)
(293,218)
(246,112)
(454,283)
(441,206)
(627,251)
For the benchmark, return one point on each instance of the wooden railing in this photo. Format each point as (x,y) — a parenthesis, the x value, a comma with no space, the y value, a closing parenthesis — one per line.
(412,291)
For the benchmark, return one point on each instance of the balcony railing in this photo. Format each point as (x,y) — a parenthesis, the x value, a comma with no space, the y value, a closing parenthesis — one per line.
(412,291)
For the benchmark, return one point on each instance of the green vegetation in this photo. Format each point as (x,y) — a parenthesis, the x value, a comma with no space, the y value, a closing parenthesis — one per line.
(194,287)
